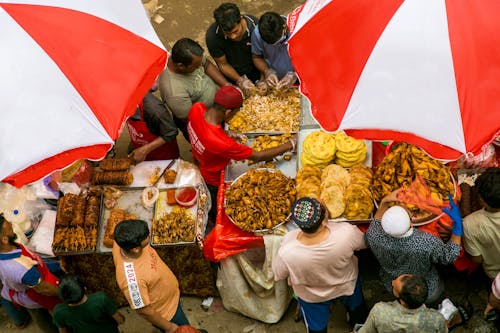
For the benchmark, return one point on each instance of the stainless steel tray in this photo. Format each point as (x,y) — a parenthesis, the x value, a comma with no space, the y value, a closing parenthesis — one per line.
(237,168)
(162,208)
(258,232)
(131,202)
(303,133)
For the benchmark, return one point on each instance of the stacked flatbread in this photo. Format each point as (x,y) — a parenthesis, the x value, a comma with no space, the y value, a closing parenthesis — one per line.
(318,149)
(334,181)
(309,182)
(358,197)
(350,151)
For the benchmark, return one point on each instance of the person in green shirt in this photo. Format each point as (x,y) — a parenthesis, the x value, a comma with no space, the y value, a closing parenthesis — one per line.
(82,313)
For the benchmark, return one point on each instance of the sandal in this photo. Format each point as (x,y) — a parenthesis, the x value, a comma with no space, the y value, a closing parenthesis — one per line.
(465,311)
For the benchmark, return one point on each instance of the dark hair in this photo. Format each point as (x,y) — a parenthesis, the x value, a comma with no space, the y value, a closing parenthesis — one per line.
(183,50)
(271,26)
(2,220)
(129,234)
(488,187)
(71,290)
(227,16)
(313,228)
(414,291)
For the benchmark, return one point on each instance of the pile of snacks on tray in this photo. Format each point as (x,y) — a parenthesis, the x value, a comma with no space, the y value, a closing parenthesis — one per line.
(399,168)
(345,193)
(114,172)
(116,216)
(321,149)
(263,142)
(260,199)
(278,111)
(174,227)
(318,149)
(350,151)
(76,223)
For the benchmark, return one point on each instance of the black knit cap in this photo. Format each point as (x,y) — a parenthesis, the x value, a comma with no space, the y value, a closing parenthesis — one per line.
(307,213)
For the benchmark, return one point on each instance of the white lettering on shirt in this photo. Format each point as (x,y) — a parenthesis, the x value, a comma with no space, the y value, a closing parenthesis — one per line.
(195,142)
(133,287)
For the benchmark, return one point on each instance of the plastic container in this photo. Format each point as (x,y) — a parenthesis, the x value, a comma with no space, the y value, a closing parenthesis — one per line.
(186,196)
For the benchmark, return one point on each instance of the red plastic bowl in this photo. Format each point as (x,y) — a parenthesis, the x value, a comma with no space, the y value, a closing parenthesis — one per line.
(186,196)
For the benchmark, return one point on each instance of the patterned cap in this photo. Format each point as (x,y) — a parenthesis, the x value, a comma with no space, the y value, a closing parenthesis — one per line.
(307,213)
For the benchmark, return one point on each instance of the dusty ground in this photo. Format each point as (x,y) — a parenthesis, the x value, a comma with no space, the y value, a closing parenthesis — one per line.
(190,19)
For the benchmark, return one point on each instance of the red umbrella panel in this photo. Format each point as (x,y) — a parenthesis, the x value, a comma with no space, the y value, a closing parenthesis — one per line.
(72,73)
(421,71)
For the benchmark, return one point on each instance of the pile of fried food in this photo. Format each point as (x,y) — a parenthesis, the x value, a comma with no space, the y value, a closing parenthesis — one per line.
(260,199)
(114,172)
(320,149)
(76,223)
(278,111)
(399,169)
(174,227)
(263,142)
(116,215)
(345,193)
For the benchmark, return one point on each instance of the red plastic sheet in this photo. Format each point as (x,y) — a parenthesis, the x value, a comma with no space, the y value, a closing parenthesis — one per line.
(226,239)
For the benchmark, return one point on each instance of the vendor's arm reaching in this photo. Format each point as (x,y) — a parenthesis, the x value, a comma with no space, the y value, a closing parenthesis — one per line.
(139,155)
(214,73)
(454,213)
(45,288)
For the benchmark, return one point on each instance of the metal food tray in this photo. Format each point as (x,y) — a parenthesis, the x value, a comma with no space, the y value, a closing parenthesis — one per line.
(162,208)
(88,251)
(258,232)
(236,168)
(131,202)
(306,118)
(304,133)
(143,170)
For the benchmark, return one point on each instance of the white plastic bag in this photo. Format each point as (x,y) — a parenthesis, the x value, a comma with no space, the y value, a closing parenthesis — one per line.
(247,286)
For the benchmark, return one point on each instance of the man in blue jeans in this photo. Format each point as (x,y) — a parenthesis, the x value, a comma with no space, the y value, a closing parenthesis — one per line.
(319,262)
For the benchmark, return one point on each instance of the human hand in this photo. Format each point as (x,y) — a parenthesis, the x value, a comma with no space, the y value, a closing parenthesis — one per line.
(138,155)
(245,85)
(271,78)
(287,81)
(240,137)
(454,213)
(262,88)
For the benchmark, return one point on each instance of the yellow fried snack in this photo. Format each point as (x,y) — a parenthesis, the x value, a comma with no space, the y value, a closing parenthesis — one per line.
(319,146)
(333,197)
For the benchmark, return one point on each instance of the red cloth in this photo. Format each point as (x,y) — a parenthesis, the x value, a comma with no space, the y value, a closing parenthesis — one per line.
(140,135)
(48,302)
(211,146)
(226,239)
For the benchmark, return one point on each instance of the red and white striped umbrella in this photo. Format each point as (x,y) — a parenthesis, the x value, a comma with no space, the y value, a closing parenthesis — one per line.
(422,71)
(71,73)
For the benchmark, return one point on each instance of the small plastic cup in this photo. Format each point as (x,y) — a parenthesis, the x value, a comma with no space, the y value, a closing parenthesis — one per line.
(186,196)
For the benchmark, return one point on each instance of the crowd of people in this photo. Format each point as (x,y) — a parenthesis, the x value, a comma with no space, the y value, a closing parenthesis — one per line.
(318,258)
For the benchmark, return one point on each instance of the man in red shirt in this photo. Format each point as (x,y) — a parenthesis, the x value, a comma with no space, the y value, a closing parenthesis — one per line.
(213,148)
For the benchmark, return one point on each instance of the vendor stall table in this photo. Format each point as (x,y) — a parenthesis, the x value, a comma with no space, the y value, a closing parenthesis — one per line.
(186,261)
(97,271)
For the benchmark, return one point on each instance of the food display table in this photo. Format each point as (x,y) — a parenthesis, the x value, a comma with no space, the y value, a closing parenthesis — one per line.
(186,260)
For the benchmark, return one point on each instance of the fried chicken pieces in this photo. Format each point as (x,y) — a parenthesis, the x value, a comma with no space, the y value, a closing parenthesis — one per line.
(260,199)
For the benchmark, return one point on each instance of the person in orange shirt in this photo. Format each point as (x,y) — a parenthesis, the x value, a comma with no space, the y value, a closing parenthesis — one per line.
(147,283)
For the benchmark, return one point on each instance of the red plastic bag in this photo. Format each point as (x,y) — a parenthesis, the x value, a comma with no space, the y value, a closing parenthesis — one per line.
(226,239)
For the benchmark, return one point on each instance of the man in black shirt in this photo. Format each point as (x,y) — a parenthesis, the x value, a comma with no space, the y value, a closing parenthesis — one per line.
(229,43)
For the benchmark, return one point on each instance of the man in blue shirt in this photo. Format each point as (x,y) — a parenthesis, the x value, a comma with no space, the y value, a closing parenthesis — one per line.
(270,52)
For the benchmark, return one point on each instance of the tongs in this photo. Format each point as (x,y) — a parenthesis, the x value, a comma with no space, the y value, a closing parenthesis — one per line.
(163,172)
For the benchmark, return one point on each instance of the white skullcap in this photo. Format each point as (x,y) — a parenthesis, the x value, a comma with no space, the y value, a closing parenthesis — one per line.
(396,221)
